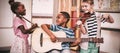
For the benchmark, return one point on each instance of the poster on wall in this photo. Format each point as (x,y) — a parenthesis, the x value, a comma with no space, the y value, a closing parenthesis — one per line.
(107,4)
(111,7)
(101,4)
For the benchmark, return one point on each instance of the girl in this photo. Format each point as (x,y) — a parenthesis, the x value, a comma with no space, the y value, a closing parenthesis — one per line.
(21,31)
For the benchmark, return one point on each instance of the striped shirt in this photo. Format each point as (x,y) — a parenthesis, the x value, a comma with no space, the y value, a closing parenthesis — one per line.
(92,25)
(69,34)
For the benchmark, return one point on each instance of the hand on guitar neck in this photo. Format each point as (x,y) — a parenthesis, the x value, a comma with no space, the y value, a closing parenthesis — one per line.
(96,40)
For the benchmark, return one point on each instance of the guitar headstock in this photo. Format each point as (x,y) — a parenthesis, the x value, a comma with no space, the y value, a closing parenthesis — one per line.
(96,40)
(100,40)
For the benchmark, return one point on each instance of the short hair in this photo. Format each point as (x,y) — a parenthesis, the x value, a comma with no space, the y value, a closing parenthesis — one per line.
(91,2)
(66,15)
(14,6)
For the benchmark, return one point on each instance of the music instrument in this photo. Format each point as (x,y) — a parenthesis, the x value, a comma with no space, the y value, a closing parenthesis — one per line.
(23,18)
(42,43)
(84,16)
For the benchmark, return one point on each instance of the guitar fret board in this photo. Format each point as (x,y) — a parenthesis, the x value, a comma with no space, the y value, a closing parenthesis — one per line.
(66,39)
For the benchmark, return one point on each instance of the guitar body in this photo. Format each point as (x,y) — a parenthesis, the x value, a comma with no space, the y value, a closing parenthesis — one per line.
(42,43)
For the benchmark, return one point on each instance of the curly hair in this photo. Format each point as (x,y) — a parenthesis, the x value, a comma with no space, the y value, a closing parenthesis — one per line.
(66,15)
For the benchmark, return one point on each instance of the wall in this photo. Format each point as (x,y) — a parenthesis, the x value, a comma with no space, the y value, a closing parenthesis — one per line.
(40,21)
(111,41)
(6,33)
(111,35)
(5,24)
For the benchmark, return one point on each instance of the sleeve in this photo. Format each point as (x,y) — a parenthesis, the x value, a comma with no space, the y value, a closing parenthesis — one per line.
(17,22)
(103,19)
(53,27)
(100,17)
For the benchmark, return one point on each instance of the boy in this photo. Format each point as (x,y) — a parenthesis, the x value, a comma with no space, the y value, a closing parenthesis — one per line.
(92,26)
(61,24)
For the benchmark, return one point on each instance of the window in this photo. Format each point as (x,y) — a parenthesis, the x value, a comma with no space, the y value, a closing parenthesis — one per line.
(42,8)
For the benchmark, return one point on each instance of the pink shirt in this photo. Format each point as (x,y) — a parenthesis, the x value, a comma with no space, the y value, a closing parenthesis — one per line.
(16,23)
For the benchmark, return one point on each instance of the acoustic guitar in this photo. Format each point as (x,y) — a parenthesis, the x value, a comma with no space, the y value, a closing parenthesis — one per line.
(41,41)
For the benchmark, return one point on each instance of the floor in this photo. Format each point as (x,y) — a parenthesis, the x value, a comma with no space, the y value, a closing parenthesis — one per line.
(9,52)
(5,51)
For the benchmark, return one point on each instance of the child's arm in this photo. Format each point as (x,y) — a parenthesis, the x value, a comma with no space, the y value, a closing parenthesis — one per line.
(108,18)
(79,29)
(77,36)
(81,26)
(28,31)
(83,29)
(46,28)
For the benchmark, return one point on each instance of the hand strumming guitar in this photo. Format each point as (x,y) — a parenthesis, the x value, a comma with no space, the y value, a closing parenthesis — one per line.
(53,38)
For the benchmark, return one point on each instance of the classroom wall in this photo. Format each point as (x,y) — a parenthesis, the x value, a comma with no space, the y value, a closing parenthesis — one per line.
(111,35)
(111,38)
(6,31)
(111,41)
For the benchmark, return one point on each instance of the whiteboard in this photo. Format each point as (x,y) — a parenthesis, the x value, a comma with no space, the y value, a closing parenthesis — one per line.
(6,16)
(116,24)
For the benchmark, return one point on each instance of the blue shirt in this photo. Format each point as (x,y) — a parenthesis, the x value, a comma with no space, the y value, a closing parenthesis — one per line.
(69,34)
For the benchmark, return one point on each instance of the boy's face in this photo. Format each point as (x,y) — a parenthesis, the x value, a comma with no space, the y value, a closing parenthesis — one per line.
(86,7)
(21,10)
(60,19)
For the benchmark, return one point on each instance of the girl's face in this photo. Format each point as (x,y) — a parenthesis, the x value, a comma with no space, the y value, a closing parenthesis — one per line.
(21,10)
(86,7)
(60,19)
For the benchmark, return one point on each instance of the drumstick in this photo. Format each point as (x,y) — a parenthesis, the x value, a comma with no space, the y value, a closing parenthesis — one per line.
(26,19)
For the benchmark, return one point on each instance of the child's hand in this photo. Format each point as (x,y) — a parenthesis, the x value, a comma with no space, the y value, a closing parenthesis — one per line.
(106,16)
(78,22)
(77,41)
(34,26)
(53,38)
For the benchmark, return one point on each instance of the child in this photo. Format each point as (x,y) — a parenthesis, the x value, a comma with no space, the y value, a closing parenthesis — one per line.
(92,26)
(61,24)
(21,31)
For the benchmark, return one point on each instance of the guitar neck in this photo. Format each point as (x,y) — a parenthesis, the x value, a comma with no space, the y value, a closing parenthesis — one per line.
(72,39)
